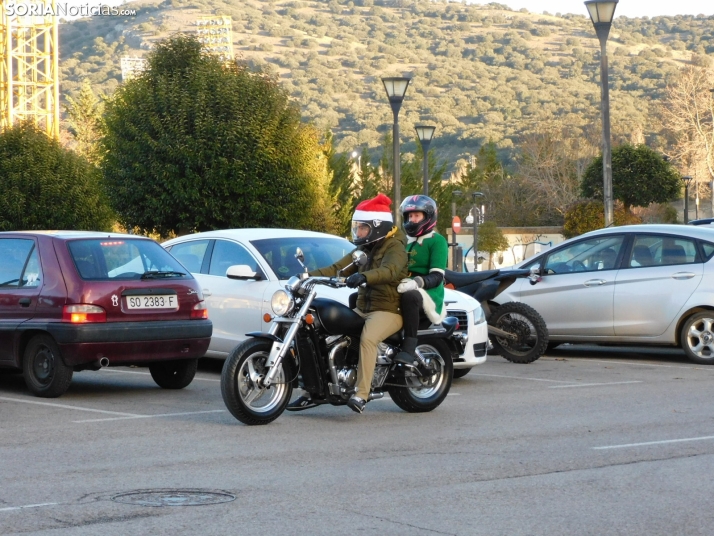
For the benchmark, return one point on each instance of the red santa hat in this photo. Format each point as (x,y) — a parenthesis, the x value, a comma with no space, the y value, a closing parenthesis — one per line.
(376,208)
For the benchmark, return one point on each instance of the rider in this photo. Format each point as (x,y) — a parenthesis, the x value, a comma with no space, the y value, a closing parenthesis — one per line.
(424,289)
(374,233)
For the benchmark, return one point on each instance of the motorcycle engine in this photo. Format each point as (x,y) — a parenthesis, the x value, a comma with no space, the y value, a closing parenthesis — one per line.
(346,360)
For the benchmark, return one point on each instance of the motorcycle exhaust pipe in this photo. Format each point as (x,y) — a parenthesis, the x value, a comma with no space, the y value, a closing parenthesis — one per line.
(375,396)
(331,361)
(104,362)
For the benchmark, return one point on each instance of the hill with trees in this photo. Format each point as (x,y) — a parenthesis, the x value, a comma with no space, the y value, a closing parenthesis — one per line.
(480,72)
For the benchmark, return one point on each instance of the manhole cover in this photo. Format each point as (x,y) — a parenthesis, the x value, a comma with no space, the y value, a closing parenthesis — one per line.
(173,497)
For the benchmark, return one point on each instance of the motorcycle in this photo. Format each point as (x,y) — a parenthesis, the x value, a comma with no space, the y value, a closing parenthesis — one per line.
(313,343)
(517,332)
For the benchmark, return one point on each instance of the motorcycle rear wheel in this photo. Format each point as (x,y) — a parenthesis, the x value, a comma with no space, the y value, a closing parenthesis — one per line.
(529,327)
(427,393)
(244,398)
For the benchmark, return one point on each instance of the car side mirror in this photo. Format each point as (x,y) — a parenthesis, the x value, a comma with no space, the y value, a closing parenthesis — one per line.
(242,272)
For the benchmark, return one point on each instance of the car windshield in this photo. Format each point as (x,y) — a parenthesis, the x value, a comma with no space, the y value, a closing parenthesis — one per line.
(122,258)
(319,252)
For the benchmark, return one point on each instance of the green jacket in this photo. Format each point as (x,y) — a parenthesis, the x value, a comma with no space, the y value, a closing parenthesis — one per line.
(386,267)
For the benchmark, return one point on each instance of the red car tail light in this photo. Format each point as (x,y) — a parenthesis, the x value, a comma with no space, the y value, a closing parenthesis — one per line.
(83,314)
(199,311)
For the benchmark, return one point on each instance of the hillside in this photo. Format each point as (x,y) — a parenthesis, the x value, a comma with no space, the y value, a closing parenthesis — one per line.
(479,72)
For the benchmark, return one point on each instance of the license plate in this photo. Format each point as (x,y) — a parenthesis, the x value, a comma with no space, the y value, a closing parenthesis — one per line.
(152,302)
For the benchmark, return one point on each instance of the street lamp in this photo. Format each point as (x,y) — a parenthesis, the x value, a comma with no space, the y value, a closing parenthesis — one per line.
(686,180)
(602,13)
(396,89)
(425,134)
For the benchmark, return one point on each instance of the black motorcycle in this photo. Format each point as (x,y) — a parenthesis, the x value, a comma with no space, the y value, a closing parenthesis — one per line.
(313,343)
(517,332)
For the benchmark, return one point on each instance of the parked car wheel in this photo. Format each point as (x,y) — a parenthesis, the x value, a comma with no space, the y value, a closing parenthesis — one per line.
(45,373)
(174,374)
(461,372)
(698,338)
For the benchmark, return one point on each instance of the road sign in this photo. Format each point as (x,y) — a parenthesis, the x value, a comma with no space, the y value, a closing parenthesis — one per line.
(456,224)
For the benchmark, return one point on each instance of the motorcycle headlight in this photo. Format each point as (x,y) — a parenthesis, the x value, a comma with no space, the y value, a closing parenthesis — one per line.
(479,316)
(281,303)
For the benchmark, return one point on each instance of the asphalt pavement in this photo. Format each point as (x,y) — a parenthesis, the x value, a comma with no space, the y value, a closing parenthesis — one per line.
(586,440)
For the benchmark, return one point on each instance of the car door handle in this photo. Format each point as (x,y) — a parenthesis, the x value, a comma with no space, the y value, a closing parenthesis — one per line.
(594,282)
(206,292)
(683,275)
(25,302)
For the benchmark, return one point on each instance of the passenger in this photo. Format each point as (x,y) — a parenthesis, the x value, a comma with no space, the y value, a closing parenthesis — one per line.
(423,292)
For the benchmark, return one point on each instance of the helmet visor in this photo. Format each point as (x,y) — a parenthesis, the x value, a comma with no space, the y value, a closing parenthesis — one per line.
(360,232)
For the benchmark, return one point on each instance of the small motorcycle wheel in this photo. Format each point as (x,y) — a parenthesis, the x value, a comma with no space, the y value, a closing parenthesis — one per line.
(527,325)
(427,392)
(244,397)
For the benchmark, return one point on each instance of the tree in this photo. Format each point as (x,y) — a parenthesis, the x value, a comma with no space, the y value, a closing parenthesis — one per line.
(46,186)
(342,187)
(589,214)
(194,144)
(640,176)
(688,117)
(85,119)
(491,240)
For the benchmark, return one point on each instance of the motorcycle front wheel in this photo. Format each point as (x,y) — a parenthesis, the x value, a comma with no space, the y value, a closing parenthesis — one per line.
(244,397)
(427,392)
(527,325)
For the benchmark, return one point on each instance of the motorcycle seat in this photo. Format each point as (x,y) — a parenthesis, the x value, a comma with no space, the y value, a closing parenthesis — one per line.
(459,279)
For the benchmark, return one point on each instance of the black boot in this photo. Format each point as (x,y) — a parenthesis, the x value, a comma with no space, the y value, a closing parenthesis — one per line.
(408,355)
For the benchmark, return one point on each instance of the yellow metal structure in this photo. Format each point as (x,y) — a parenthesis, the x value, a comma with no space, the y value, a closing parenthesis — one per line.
(29,72)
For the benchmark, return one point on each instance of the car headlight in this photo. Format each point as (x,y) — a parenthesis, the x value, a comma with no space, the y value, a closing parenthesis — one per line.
(479,316)
(282,303)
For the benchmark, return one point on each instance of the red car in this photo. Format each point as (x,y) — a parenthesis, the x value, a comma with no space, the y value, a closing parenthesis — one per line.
(75,300)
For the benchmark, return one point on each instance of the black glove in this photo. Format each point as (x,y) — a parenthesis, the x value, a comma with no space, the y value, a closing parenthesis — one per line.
(355,280)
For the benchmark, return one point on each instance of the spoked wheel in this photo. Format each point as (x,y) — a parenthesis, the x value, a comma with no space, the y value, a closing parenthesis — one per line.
(698,338)
(427,392)
(527,325)
(241,387)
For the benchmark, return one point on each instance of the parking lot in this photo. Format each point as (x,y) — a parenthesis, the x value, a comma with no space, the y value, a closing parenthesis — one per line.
(586,440)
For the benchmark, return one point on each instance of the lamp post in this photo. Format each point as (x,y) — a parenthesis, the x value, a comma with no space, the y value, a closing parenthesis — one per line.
(425,134)
(454,195)
(602,13)
(686,180)
(396,88)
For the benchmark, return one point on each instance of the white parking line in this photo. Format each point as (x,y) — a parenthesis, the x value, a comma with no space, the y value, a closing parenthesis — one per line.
(152,416)
(64,406)
(26,506)
(589,384)
(654,443)
(149,374)
(521,378)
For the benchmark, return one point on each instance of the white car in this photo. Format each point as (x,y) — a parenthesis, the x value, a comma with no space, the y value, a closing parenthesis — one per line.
(237,307)
(636,284)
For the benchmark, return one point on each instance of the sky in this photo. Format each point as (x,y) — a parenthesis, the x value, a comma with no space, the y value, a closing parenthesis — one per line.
(628,8)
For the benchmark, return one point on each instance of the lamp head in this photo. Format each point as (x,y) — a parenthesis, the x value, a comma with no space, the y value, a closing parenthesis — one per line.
(476,195)
(457,193)
(687,179)
(425,132)
(396,88)
(601,13)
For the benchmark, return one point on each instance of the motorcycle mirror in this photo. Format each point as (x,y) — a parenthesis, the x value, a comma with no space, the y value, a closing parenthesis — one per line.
(359,258)
(300,256)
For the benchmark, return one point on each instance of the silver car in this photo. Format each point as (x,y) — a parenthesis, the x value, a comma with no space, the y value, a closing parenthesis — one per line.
(636,284)
(267,258)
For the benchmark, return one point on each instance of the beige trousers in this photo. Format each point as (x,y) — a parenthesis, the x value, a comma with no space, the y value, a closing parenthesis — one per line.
(378,326)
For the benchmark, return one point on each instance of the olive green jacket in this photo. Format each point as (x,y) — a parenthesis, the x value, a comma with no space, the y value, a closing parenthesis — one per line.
(386,267)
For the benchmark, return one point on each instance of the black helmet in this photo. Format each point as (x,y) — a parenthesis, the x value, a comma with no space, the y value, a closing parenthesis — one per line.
(418,203)
(375,215)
